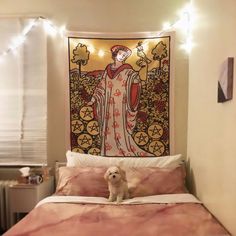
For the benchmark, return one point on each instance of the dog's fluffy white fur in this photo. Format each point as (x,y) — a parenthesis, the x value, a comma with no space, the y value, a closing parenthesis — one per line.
(117,184)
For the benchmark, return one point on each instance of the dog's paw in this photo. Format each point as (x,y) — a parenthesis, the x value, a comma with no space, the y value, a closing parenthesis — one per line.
(111,198)
(119,200)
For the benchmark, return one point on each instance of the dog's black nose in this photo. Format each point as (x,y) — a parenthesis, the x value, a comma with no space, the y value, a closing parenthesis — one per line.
(113,176)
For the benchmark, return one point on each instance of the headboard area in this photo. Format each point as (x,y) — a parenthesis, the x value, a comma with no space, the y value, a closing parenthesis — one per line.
(57,166)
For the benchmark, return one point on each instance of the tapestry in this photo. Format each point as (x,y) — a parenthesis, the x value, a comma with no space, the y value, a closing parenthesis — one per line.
(119,96)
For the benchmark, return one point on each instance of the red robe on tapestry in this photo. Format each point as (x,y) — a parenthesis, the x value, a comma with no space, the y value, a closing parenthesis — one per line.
(117,98)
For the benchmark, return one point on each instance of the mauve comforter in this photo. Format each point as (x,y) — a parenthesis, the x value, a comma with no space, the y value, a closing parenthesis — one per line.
(150,219)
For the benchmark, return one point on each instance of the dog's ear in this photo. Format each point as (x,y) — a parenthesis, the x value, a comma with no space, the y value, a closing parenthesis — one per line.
(123,174)
(106,175)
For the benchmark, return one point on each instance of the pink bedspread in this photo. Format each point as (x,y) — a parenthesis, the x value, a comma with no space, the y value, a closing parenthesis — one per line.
(67,219)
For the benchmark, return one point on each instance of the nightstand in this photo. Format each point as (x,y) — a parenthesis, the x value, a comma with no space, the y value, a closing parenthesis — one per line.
(24,197)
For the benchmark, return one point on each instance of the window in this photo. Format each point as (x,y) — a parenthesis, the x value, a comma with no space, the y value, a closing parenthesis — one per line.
(23,94)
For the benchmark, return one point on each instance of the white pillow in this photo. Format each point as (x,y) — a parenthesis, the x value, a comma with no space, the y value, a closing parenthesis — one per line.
(84,160)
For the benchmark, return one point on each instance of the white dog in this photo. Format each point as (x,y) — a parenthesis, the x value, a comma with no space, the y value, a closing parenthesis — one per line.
(117,184)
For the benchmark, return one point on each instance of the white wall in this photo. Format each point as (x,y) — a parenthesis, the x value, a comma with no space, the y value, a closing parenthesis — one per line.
(100,16)
(212,126)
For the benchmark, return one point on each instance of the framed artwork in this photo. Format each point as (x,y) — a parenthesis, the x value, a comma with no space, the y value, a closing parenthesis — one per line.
(225,83)
(120,96)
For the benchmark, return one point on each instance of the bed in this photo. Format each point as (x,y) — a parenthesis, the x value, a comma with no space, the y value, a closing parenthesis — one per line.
(80,206)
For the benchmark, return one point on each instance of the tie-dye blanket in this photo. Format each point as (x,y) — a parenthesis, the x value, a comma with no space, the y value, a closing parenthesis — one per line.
(85,216)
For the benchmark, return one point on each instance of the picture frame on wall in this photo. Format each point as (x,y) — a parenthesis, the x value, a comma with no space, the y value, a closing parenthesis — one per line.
(225,83)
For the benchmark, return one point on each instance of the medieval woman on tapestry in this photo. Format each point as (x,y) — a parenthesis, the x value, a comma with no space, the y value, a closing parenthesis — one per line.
(117,97)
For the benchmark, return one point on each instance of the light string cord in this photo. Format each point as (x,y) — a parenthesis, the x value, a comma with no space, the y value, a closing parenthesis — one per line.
(52,29)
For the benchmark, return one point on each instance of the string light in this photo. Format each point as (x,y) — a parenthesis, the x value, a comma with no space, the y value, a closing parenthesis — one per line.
(50,28)
(188,45)
(184,22)
(188,8)
(101,53)
(62,30)
(166,26)
(29,27)
(91,48)
(16,42)
(145,47)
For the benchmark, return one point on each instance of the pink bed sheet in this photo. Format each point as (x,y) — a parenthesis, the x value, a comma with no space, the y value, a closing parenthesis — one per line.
(68,219)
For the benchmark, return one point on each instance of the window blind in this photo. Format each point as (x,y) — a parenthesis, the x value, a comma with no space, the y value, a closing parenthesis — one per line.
(23,95)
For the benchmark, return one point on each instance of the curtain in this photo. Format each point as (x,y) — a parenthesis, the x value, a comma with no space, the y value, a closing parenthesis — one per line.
(23,94)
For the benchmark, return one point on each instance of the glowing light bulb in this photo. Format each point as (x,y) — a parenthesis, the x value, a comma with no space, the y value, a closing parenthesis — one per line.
(62,30)
(91,48)
(187,9)
(166,26)
(183,23)
(50,29)
(185,18)
(145,46)
(101,53)
(29,27)
(16,42)
(188,45)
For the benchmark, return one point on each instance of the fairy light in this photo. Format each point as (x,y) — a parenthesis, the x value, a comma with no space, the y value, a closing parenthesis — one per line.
(184,22)
(29,27)
(62,31)
(91,48)
(19,40)
(16,42)
(145,47)
(188,45)
(101,53)
(166,26)
(188,8)
(49,27)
